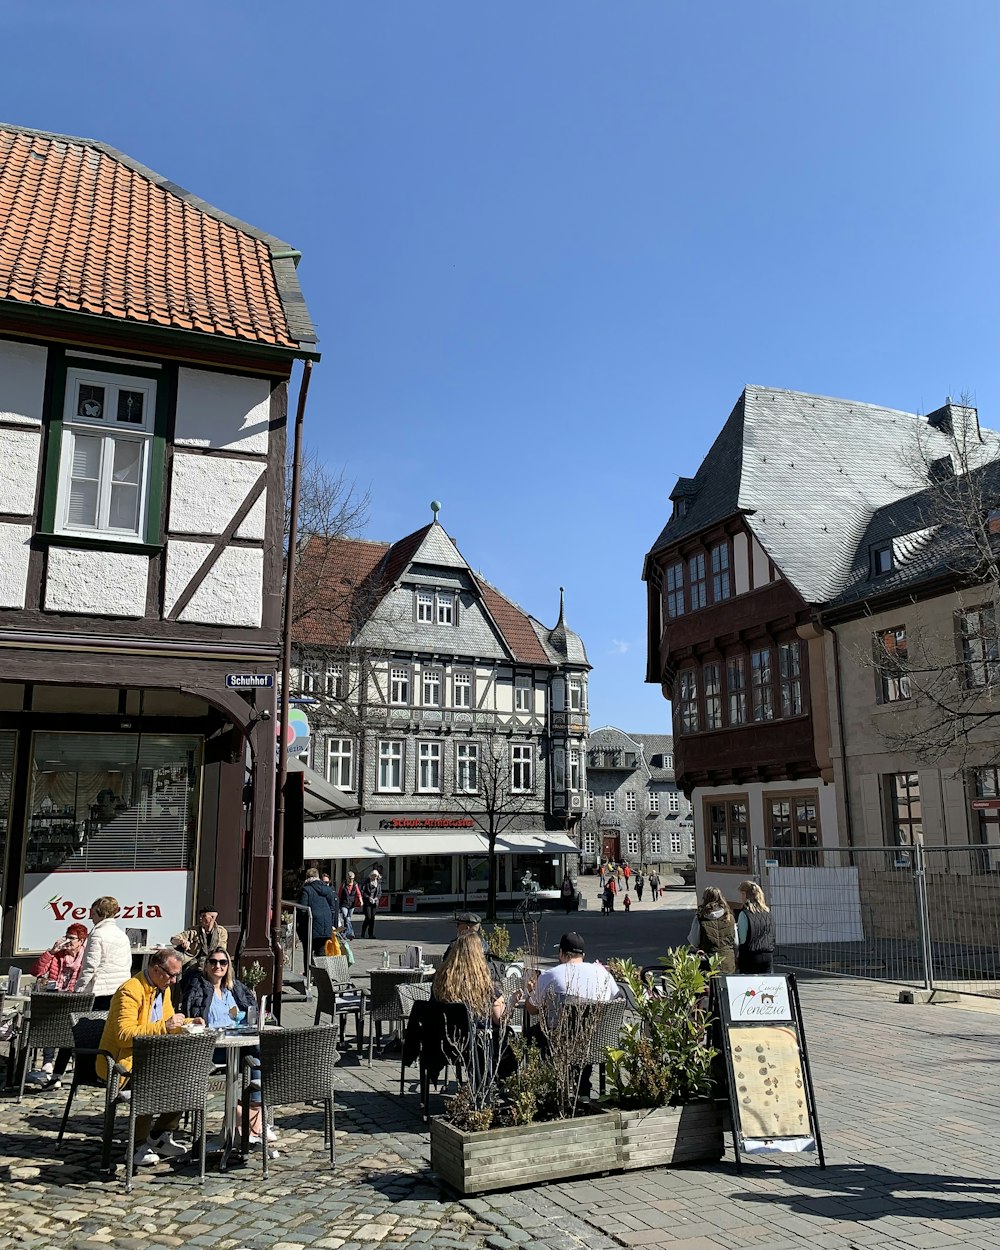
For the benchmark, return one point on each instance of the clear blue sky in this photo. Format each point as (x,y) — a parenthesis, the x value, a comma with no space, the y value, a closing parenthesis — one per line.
(547,244)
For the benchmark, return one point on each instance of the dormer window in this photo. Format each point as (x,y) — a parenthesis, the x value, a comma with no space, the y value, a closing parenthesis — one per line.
(435,607)
(680,508)
(881,559)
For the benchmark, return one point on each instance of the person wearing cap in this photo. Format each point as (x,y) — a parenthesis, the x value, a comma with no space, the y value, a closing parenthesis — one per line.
(467,922)
(195,943)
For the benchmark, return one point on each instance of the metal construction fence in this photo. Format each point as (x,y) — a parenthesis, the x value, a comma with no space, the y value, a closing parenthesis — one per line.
(917,915)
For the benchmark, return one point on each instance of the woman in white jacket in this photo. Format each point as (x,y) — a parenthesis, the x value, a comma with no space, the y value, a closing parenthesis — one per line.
(107,957)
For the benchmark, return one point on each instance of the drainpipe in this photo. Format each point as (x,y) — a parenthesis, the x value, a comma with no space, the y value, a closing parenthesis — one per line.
(849,830)
(286,666)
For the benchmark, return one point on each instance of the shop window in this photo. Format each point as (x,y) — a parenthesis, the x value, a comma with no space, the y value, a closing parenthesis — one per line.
(793,830)
(427,874)
(113,802)
(727,833)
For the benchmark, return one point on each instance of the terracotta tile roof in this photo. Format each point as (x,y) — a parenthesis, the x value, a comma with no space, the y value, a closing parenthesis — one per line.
(84,228)
(514,624)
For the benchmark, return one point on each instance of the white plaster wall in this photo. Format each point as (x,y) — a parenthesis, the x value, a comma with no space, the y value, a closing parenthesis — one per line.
(761,564)
(19,450)
(231,594)
(222,410)
(13,564)
(22,381)
(741,564)
(205,492)
(96,583)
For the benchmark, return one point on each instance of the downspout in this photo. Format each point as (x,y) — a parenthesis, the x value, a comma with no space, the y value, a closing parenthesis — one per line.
(286,668)
(849,830)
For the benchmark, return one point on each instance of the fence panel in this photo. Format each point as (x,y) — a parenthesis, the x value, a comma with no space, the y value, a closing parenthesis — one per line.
(846,911)
(963,905)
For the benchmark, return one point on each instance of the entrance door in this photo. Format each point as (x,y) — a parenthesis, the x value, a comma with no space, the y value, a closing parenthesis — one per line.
(610,846)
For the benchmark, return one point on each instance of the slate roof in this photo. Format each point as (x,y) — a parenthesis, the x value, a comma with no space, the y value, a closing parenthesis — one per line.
(926,540)
(808,473)
(84,228)
(564,645)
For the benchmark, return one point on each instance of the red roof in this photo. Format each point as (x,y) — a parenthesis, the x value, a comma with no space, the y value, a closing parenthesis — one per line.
(514,625)
(85,229)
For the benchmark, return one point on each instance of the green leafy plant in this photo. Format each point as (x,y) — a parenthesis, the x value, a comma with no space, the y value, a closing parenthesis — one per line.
(498,941)
(253,975)
(665,1057)
(531,1093)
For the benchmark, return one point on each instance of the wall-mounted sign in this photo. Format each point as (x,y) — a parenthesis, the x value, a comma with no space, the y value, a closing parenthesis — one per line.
(427,822)
(985,805)
(297,732)
(249,681)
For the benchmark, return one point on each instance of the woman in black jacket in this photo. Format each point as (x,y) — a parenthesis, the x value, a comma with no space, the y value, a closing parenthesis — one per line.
(322,902)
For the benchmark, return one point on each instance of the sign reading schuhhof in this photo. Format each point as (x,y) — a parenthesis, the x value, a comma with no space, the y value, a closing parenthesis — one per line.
(249,681)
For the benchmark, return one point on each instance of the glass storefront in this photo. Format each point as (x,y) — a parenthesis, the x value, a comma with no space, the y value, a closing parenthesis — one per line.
(427,874)
(8,741)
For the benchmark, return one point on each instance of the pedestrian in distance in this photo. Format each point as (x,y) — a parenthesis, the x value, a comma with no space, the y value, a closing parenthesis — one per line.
(755,930)
(628,903)
(567,892)
(639,883)
(627,874)
(322,904)
(654,885)
(713,930)
(371,893)
(349,898)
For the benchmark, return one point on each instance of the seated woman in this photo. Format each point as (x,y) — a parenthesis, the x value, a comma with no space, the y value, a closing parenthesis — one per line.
(222,1001)
(60,967)
(465,994)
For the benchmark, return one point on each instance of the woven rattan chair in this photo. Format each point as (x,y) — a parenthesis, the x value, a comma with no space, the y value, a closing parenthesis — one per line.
(48,1024)
(338,998)
(383,1000)
(169,1073)
(600,1026)
(87,1030)
(296,1066)
(414,992)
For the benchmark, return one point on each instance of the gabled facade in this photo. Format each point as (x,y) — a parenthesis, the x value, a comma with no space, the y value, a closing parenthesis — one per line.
(434,691)
(764,535)
(146,343)
(634,809)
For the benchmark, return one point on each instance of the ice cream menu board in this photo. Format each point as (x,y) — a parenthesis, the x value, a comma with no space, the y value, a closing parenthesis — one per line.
(770,1086)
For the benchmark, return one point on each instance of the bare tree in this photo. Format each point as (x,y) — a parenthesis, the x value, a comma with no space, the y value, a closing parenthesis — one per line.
(496,804)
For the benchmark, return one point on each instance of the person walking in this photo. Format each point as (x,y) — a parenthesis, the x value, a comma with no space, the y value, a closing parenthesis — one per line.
(567,892)
(713,930)
(654,885)
(639,884)
(628,903)
(755,930)
(627,874)
(349,898)
(371,893)
(322,904)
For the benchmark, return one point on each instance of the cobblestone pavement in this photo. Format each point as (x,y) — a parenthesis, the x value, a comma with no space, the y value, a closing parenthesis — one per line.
(908,1105)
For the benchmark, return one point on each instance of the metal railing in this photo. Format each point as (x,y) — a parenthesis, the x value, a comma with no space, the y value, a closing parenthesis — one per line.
(916,915)
(292,947)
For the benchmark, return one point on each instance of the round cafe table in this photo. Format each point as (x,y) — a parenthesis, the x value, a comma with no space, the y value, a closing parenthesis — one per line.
(233,1042)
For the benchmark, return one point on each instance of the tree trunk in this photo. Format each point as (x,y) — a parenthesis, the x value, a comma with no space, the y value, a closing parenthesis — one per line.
(491,888)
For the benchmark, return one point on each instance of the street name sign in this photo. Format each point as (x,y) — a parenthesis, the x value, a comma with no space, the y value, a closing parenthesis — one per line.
(249,681)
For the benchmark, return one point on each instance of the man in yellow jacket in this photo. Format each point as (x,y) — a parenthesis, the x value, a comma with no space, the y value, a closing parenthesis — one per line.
(142,1007)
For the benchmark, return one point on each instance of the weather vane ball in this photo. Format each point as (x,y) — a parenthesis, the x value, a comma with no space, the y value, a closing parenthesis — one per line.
(435,507)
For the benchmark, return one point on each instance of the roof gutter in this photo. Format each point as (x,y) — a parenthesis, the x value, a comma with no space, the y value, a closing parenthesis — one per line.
(841,734)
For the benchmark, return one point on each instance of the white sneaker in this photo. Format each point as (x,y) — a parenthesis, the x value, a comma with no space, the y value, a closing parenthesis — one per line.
(47,1067)
(167,1147)
(272,1133)
(146,1156)
(125,1095)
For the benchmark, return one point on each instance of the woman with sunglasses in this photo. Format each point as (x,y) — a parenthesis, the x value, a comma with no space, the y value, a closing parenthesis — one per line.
(222,1002)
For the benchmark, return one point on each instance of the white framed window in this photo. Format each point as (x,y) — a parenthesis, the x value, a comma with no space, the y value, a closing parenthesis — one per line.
(340,762)
(654,800)
(673,802)
(668,761)
(399,686)
(575,695)
(522,694)
(390,766)
(521,769)
(631,843)
(445,608)
(675,842)
(462,689)
(428,767)
(610,803)
(630,800)
(574,770)
(467,768)
(309,677)
(334,681)
(104,462)
(430,687)
(425,605)
(589,841)
(590,800)
(654,842)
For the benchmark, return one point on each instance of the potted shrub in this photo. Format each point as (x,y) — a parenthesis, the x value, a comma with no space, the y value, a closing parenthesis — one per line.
(661,1075)
(531,1127)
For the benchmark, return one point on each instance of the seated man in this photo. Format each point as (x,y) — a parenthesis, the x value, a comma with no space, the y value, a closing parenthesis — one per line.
(195,944)
(142,1007)
(570,978)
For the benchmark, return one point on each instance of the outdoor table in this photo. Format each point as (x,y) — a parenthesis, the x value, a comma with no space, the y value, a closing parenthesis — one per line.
(21,1004)
(397,976)
(234,1042)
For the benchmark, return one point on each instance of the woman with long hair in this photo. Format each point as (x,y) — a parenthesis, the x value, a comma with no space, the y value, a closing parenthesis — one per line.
(465,977)
(755,930)
(464,1014)
(713,930)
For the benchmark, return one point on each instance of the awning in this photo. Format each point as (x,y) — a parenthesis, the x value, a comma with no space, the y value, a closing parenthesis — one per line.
(320,798)
(338,839)
(536,842)
(430,842)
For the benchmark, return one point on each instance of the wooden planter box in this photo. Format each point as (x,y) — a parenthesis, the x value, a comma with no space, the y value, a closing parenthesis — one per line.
(501,1158)
(663,1136)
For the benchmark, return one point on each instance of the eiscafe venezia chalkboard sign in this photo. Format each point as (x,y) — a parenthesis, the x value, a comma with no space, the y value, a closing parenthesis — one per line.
(771,1098)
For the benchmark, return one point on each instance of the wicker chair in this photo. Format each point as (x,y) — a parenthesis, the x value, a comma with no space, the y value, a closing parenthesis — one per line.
(169,1073)
(87,1030)
(601,1026)
(296,1066)
(48,1024)
(383,1000)
(338,997)
(409,994)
